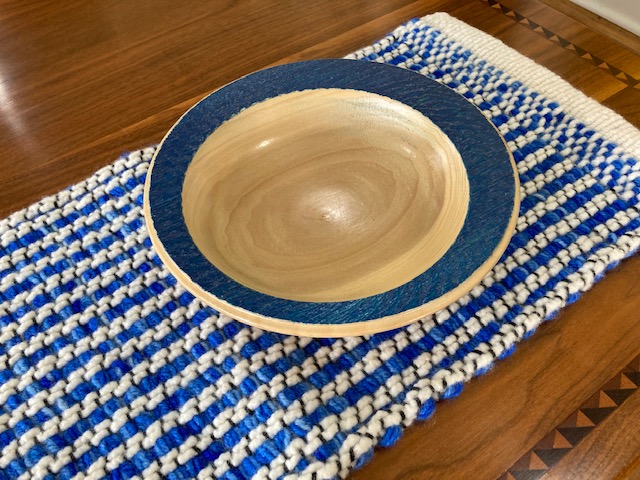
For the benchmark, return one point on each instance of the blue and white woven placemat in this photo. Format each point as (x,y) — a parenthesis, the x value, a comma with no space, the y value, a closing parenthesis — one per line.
(109,368)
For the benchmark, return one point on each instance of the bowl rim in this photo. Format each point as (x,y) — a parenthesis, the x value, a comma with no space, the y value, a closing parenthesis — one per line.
(489,238)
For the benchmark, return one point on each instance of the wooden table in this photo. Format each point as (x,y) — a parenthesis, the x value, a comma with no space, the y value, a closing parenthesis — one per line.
(83,81)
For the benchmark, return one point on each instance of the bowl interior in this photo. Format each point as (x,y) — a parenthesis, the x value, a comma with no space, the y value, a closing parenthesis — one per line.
(325,195)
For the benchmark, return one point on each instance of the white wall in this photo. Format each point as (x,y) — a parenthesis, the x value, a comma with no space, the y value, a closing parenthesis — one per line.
(625,13)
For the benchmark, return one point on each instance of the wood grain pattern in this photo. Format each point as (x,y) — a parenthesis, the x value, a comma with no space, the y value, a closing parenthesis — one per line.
(325,195)
(611,449)
(86,81)
(579,446)
(83,81)
(627,103)
(597,23)
(631,471)
(237,182)
(596,83)
(620,64)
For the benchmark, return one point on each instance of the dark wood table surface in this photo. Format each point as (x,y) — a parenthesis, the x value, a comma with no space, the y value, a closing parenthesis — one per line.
(83,81)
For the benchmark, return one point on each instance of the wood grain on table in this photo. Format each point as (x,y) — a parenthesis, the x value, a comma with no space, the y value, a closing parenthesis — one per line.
(83,81)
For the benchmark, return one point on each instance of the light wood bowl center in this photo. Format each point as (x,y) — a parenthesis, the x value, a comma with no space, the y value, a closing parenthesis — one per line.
(325,195)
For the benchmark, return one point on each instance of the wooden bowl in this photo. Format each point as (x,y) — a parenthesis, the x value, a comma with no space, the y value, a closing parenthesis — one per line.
(331,197)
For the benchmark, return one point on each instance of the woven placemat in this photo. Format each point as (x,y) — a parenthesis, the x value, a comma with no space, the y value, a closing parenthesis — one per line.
(109,368)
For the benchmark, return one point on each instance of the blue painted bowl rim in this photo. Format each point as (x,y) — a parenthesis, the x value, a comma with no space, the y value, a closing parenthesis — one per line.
(493,203)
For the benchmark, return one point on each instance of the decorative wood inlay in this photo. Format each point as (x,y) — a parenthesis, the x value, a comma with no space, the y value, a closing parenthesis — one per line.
(624,77)
(536,463)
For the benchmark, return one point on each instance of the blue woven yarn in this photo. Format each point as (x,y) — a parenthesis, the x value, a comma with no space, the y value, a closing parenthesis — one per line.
(108,367)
